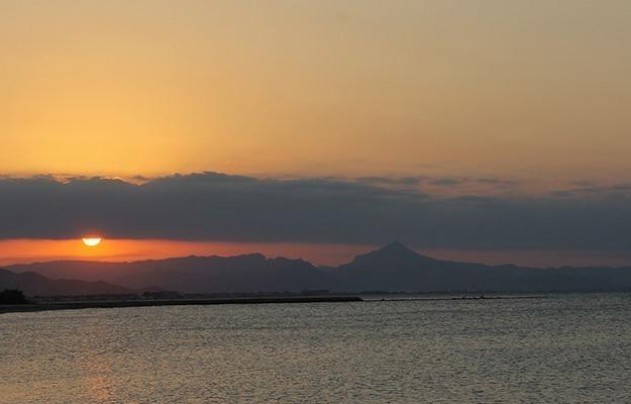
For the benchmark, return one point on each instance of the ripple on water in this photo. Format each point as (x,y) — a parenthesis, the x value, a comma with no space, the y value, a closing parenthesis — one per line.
(571,348)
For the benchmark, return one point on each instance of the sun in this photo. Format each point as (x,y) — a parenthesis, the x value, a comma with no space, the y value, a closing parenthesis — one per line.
(92,241)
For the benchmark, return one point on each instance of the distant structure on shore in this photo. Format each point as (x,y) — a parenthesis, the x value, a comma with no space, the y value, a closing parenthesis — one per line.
(12,296)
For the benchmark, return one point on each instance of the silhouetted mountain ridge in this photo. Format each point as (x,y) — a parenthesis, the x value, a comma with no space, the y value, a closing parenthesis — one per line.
(393,253)
(393,267)
(193,274)
(35,284)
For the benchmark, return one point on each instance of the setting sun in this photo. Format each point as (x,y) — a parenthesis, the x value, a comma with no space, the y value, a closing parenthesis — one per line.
(92,241)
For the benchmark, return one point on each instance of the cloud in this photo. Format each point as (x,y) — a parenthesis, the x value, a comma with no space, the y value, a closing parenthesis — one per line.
(213,206)
(444,185)
(401,181)
(592,190)
(447,182)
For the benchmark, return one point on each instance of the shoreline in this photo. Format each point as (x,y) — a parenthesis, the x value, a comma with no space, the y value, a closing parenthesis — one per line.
(113,304)
(456,299)
(36,307)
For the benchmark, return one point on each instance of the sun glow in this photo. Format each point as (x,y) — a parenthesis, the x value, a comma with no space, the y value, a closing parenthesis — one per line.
(92,241)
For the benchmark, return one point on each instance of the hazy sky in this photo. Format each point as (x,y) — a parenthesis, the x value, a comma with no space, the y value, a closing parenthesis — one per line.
(436,113)
(505,88)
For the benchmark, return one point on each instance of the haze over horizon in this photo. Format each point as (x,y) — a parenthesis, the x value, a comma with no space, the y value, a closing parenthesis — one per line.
(492,132)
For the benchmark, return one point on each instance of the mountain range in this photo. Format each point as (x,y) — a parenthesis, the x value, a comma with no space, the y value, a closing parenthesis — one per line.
(393,267)
(34,284)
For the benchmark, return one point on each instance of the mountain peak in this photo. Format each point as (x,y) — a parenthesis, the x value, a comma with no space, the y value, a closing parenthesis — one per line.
(396,246)
(392,252)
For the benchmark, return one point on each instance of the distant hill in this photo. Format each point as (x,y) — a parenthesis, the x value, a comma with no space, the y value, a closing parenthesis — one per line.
(244,273)
(397,268)
(393,267)
(34,284)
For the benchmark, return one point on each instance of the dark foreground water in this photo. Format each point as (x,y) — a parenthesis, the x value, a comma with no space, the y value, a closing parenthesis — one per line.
(570,349)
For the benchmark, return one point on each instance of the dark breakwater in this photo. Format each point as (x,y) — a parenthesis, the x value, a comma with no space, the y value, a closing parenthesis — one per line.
(174,302)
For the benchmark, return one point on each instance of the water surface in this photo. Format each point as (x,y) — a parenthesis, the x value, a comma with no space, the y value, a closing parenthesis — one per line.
(571,348)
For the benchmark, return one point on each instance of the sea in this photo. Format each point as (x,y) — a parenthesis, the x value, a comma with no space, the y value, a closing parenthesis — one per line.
(553,349)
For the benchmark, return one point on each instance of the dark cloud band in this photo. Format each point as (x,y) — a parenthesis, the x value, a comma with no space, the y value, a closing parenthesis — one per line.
(211,206)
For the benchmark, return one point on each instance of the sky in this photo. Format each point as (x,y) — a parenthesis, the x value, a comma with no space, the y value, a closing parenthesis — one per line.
(490,130)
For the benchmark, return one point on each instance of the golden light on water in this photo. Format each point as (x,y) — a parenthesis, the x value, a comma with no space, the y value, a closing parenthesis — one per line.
(92,241)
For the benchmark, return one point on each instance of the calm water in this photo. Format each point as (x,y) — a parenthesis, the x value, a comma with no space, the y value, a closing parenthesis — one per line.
(562,349)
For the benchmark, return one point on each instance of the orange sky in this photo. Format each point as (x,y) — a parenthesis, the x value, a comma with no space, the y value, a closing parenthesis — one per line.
(534,91)
(27,251)
(504,88)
